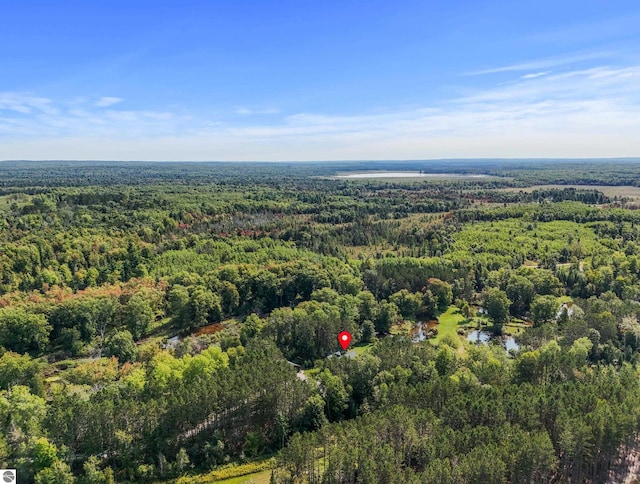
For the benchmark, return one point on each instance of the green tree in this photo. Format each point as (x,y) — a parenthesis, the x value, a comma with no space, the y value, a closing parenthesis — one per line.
(182,460)
(368,307)
(312,415)
(442,293)
(407,303)
(70,340)
(93,475)
(544,309)
(229,297)
(520,290)
(605,323)
(122,346)
(90,315)
(23,332)
(535,459)
(446,361)
(200,302)
(367,331)
(467,310)
(178,305)
(497,305)
(21,413)
(325,294)
(387,316)
(483,465)
(335,395)
(250,328)
(204,306)
(58,473)
(194,306)
(44,454)
(16,369)
(138,316)
(348,284)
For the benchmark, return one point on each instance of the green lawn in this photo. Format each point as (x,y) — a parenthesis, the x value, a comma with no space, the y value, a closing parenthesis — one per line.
(449,321)
(239,474)
(361,348)
(256,478)
(514,328)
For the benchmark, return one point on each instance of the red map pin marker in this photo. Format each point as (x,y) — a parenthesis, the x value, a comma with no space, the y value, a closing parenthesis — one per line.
(344,339)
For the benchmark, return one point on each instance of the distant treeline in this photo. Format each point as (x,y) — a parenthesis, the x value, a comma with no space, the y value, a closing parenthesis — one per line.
(510,172)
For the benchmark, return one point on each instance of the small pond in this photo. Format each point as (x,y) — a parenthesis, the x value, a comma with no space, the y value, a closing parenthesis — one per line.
(479,336)
(421,329)
(510,344)
(483,337)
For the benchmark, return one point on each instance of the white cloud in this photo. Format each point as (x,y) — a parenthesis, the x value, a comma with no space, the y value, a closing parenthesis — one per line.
(245,111)
(24,103)
(545,63)
(578,113)
(107,101)
(533,75)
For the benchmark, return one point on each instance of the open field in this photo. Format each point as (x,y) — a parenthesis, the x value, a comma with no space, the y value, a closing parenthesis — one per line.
(361,348)
(255,478)
(240,474)
(409,176)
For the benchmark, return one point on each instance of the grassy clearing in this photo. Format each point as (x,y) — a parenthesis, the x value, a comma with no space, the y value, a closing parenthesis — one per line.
(450,321)
(258,472)
(256,478)
(513,329)
(408,176)
(361,348)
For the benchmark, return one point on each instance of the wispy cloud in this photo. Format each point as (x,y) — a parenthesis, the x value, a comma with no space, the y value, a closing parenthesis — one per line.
(107,101)
(245,111)
(576,113)
(533,75)
(24,104)
(545,63)
(31,117)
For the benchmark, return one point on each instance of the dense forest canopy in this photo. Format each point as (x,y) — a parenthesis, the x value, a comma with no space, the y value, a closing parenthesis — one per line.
(165,321)
(26,174)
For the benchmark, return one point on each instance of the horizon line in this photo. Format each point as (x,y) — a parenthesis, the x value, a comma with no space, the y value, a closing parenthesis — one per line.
(398,160)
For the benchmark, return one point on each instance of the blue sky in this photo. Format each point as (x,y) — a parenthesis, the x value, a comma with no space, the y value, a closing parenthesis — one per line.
(318,80)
